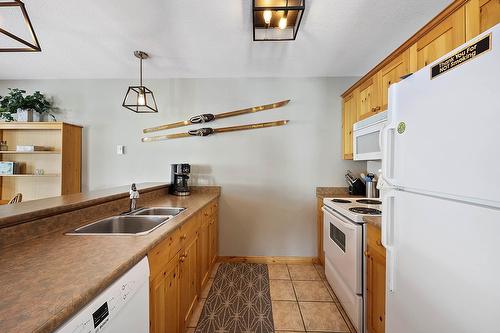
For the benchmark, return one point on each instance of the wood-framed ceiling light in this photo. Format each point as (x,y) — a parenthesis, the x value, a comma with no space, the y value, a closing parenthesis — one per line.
(139,98)
(16,31)
(277,20)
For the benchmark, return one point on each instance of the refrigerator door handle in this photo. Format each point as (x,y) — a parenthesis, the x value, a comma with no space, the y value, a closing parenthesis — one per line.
(390,268)
(387,139)
(387,234)
(388,197)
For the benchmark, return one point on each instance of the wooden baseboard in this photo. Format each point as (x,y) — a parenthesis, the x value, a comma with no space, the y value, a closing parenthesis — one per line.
(270,260)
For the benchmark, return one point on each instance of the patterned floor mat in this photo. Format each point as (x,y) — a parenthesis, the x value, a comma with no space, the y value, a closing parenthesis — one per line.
(239,301)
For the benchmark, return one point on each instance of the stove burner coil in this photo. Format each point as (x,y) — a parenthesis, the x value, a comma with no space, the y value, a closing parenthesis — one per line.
(365,211)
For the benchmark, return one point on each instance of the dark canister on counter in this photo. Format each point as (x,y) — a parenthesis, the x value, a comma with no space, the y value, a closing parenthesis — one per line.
(179,181)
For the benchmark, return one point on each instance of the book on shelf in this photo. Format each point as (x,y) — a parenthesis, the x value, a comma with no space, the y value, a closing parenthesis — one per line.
(28,148)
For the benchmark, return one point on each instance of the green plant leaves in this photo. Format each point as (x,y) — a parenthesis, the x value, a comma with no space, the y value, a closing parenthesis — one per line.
(16,99)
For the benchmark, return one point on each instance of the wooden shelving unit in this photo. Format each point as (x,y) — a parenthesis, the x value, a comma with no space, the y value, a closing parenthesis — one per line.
(61,164)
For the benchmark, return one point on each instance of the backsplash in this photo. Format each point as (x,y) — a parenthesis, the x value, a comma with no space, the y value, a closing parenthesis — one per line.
(374,167)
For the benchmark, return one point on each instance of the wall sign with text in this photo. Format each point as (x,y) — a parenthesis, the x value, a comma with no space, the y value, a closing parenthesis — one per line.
(468,53)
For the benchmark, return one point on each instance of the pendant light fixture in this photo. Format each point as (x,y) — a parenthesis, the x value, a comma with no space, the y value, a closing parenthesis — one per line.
(16,32)
(139,98)
(277,20)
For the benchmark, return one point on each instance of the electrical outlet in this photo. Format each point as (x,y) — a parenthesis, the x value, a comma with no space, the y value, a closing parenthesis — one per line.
(120,150)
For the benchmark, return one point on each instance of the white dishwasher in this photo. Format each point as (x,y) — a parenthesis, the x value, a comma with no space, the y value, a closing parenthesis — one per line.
(122,307)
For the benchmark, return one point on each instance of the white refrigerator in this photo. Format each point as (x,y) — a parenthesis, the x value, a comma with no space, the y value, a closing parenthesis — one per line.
(440,189)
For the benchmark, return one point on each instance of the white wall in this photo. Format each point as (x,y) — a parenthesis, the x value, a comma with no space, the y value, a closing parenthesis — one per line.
(268,176)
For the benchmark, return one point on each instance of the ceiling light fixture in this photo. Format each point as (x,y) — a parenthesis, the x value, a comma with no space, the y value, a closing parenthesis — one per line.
(139,98)
(270,27)
(268,15)
(16,32)
(283,21)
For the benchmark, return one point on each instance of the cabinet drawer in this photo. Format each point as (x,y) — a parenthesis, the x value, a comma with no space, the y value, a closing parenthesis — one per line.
(374,239)
(189,229)
(162,253)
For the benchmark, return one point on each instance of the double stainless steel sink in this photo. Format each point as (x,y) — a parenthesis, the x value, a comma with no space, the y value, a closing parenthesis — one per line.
(138,222)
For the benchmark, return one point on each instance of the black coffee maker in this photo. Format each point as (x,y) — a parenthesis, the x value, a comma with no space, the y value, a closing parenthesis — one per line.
(180,179)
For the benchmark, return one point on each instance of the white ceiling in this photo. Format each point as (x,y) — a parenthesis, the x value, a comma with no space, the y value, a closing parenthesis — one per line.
(203,38)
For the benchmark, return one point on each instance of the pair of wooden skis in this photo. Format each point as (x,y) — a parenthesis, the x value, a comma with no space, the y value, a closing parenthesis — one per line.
(208,117)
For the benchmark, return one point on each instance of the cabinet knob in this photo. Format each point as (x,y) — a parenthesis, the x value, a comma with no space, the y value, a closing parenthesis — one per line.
(183,236)
(367,254)
(379,243)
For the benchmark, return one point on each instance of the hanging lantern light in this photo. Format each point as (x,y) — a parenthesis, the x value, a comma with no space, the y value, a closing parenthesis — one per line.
(139,98)
(277,20)
(16,31)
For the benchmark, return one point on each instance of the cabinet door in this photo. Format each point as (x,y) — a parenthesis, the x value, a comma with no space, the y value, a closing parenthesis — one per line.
(443,38)
(480,16)
(368,98)
(319,226)
(204,248)
(164,299)
(188,280)
(375,288)
(212,232)
(349,117)
(392,73)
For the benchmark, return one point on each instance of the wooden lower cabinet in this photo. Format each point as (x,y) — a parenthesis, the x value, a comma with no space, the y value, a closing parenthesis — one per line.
(375,284)
(319,226)
(188,280)
(177,265)
(164,299)
(203,249)
(213,234)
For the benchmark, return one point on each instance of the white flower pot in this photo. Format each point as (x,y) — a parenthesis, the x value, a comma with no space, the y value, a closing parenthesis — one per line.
(28,115)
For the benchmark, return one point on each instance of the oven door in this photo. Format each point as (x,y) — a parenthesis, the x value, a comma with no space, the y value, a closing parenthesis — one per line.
(343,243)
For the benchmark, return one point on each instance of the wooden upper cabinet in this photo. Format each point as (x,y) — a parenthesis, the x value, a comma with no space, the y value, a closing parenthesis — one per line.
(368,98)
(440,40)
(349,117)
(480,16)
(392,73)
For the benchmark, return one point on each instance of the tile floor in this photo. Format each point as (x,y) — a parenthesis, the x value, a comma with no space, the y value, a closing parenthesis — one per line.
(302,301)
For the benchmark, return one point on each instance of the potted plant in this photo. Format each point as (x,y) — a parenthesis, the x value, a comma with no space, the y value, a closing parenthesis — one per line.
(26,108)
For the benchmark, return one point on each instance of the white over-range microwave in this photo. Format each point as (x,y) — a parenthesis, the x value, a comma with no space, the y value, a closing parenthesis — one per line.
(366,137)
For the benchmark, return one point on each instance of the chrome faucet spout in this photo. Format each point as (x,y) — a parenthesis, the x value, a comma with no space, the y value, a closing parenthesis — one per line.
(134,195)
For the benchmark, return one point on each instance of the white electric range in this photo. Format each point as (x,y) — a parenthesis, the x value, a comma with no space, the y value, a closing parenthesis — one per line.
(344,245)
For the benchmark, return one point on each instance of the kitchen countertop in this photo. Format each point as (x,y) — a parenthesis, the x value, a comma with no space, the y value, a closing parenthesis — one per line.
(46,280)
(36,209)
(373,220)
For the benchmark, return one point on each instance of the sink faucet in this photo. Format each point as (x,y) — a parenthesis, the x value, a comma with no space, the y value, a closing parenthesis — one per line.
(134,195)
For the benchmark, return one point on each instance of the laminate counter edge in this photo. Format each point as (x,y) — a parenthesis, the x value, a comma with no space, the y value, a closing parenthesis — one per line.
(37,209)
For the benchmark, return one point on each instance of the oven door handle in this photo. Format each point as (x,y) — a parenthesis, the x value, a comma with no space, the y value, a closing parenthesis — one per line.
(348,225)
